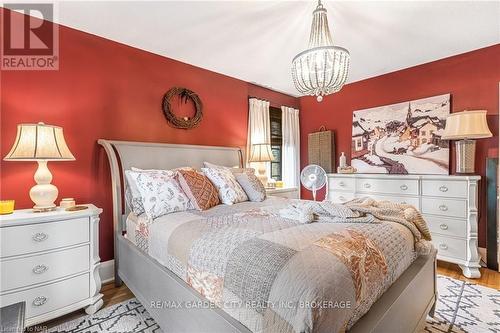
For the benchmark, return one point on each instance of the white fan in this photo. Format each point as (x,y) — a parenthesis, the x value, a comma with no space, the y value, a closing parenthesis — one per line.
(313,178)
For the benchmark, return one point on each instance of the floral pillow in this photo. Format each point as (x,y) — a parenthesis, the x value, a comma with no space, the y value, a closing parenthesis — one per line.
(252,186)
(230,191)
(199,189)
(234,170)
(160,192)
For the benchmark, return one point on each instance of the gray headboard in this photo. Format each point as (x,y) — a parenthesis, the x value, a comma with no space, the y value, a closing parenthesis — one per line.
(123,155)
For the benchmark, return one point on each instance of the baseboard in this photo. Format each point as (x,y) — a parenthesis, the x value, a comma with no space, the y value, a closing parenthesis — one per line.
(107,271)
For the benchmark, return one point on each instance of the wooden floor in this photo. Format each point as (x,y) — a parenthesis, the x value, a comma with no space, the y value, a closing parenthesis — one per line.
(114,295)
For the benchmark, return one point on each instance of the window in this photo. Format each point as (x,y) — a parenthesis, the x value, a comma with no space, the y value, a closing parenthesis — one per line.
(423,133)
(276,141)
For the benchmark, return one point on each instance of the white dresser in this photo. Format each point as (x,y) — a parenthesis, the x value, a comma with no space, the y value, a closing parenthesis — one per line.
(50,261)
(448,204)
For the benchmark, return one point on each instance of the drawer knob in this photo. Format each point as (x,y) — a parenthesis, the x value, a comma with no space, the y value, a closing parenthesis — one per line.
(40,300)
(342,184)
(443,226)
(39,269)
(443,188)
(367,185)
(443,246)
(404,187)
(443,208)
(40,237)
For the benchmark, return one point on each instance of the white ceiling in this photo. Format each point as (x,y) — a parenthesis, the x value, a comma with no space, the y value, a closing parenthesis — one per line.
(256,40)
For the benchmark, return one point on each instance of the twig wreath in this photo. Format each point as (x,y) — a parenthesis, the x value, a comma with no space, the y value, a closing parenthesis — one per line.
(185,95)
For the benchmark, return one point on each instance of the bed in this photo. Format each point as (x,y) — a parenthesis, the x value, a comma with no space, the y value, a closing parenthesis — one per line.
(161,263)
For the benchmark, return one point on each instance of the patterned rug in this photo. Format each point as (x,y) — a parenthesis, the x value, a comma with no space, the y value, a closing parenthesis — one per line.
(462,307)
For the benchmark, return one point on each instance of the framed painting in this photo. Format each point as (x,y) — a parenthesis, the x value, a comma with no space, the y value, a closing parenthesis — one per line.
(402,138)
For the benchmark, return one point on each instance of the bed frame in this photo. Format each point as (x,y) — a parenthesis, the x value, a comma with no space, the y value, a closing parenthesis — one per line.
(402,308)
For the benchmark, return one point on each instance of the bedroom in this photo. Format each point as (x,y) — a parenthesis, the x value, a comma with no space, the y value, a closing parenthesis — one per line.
(193,75)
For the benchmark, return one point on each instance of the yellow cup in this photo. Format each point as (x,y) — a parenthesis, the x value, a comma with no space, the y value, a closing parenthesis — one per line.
(6,207)
(279,184)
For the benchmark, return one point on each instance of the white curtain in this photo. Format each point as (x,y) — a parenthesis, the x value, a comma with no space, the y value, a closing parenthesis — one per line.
(290,154)
(258,124)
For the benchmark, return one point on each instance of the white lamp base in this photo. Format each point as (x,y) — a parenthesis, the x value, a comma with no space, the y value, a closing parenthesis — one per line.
(262,173)
(43,194)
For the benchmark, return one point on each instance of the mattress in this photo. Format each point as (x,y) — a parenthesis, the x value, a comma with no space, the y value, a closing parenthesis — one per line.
(275,274)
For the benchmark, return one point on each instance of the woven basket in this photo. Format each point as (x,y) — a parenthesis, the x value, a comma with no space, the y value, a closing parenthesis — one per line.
(321,149)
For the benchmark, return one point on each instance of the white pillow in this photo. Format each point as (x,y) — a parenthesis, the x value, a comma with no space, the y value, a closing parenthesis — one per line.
(230,191)
(159,191)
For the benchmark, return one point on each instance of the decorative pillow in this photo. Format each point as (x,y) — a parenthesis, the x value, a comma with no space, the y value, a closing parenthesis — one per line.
(234,170)
(252,186)
(199,189)
(160,192)
(133,200)
(230,191)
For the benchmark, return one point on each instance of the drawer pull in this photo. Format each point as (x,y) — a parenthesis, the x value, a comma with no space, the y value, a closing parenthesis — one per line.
(443,246)
(39,269)
(367,185)
(443,188)
(403,202)
(40,300)
(342,184)
(341,198)
(443,208)
(404,187)
(40,237)
(443,226)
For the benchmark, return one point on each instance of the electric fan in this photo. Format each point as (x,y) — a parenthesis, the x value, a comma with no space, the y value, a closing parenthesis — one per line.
(313,178)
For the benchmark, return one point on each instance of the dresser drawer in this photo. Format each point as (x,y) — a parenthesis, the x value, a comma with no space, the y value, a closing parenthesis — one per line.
(27,271)
(444,207)
(43,236)
(446,227)
(397,199)
(343,184)
(50,297)
(340,197)
(450,247)
(389,186)
(445,188)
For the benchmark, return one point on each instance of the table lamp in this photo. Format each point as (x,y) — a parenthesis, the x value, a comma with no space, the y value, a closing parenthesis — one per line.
(40,143)
(262,153)
(465,127)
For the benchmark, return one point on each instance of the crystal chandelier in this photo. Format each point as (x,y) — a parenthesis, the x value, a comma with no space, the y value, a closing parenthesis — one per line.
(321,69)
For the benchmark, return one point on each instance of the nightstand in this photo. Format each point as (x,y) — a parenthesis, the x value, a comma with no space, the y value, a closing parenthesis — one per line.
(284,192)
(50,261)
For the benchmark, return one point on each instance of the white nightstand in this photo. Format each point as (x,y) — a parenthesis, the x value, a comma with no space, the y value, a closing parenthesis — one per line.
(284,192)
(51,262)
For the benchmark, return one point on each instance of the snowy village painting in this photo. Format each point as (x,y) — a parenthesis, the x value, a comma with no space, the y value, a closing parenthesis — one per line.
(403,138)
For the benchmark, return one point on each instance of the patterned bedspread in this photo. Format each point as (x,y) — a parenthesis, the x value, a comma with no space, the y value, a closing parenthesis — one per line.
(274,274)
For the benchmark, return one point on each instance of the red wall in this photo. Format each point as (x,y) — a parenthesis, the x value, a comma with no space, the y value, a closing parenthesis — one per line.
(471,78)
(108,90)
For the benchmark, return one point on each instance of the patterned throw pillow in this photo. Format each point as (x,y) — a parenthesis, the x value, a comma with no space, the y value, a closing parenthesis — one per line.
(199,189)
(234,170)
(160,192)
(133,197)
(252,186)
(230,191)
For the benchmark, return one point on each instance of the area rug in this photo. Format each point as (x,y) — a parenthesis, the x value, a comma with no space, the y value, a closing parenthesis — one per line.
(461,307)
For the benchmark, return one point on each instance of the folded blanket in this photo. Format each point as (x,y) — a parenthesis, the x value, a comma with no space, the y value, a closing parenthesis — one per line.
(363,210)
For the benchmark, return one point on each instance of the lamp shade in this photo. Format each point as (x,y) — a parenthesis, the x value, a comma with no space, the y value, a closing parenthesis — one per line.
(466,125)
(261,153)
(35,142)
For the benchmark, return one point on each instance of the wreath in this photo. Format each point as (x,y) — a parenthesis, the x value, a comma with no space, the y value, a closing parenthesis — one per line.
(185,95)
